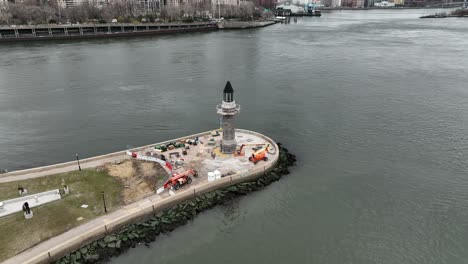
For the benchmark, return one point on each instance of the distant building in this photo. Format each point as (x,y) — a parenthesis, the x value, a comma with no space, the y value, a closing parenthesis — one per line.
(153,5)
(315,2)
(61,3)
(358,3)
(331,3)
(336,3)
(294,9)
(384,4)
(399,2)
(440,3)
(369,3)
(415,3)
(270,4)
(326,3)
(215,3)
(142,5)
(173,2)
(352,3)
(72,3)
(223,6)
(146,6)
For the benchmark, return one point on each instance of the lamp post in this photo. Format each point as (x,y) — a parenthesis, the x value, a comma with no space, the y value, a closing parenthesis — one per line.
(104,201)
(78,160)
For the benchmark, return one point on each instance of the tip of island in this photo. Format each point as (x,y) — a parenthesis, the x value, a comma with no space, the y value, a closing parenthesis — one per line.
(200,171)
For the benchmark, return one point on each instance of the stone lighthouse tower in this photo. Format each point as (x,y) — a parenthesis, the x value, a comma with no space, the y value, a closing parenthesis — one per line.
(228,109)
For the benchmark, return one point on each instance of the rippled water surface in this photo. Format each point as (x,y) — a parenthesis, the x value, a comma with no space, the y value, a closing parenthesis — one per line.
(374,103)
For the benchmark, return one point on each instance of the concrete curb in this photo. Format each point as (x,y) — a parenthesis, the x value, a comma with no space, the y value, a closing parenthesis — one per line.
(245,24)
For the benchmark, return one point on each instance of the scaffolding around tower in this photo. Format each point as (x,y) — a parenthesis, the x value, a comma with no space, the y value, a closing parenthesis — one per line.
(227,110)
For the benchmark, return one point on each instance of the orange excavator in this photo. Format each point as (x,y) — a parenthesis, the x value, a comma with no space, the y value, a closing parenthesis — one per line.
(240,151)
(178,180)
(260,155)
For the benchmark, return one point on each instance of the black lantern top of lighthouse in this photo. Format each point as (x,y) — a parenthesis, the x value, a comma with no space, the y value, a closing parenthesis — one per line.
(228,93)
(228,106)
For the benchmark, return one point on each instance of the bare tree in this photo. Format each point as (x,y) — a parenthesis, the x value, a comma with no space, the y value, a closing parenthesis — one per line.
(30,12)
(188,10)
(114,10)
(173,13)
(5,15)
(91,10)
(21,14)
(50,14)
(76,14)
(247,10)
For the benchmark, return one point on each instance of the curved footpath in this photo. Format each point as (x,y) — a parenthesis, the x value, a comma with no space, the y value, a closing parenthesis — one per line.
(197,196)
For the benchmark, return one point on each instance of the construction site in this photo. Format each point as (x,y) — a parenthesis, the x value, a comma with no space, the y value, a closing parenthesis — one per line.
(210,156)
(200,159)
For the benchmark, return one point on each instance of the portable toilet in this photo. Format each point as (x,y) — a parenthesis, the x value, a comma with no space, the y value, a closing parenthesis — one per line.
(211,176)
(217,174)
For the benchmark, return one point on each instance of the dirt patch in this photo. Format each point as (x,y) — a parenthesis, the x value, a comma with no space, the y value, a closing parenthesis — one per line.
(147,168)
(139,178)
(124,170)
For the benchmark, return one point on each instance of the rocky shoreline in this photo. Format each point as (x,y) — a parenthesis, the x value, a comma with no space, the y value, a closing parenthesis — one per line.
(148,229)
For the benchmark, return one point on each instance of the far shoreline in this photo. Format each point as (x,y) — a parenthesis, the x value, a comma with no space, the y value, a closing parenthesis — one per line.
(381,8)
(53,32)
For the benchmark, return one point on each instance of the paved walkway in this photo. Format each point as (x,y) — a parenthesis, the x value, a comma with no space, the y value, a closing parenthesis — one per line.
(34,173)
(16,205)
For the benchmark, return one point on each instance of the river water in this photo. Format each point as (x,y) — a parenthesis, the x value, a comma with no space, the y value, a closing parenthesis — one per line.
(374,104)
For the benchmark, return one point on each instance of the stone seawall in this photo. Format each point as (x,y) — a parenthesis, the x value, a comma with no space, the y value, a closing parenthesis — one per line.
(244,24)
(53,32)
(86,31)
(129,236)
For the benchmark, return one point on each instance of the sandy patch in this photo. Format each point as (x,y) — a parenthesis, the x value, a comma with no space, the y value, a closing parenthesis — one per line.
(139,178)
(123,170)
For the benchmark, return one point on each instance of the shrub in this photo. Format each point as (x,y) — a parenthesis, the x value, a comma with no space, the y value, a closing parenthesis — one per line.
(187,20)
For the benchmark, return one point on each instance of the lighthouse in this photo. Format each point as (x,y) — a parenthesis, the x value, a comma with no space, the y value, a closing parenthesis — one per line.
(227,110)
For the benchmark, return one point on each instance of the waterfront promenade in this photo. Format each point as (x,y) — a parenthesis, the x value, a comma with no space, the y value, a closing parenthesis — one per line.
(61,168)
(77,237)
(46,32)
(77,31)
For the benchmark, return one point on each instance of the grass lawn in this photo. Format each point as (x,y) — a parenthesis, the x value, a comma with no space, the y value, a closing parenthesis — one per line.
(18,234)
